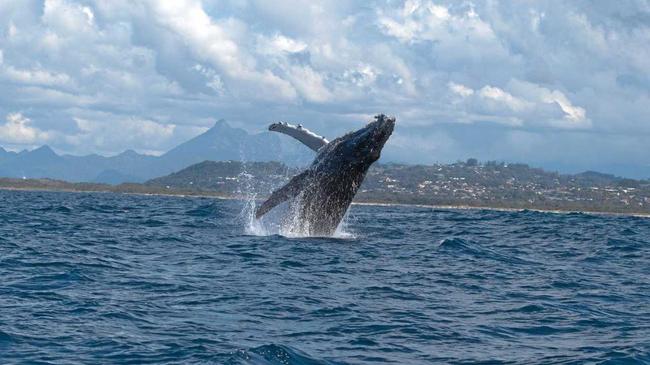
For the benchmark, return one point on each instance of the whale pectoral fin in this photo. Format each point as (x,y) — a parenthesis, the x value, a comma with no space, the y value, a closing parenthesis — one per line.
(291,189)
(307,137)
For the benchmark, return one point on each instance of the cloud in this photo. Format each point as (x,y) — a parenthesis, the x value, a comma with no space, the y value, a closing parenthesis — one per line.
(419,21)
(211,42)
(213,80)
(36,76)
(121,132)
(573,116)
(495,94)
(279,44)
(460,89)
(310,83)
(65,18)
(524,103)
(436,64)
(17,130)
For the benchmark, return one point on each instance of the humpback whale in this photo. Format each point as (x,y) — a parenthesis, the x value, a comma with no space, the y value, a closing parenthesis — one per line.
(320,195)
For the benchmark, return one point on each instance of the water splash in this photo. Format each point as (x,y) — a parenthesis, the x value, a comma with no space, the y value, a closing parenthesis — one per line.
(343,230)
(245,189)
(284,220)
(252,226)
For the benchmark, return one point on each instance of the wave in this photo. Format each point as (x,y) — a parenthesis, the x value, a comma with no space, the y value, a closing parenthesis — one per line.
(275,355)
(211,210)
(5,339)
(459,245)
(177,281)
(57,209)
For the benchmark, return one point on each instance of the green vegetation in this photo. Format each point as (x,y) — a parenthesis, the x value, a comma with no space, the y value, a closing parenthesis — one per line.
(469,184)
(501,185)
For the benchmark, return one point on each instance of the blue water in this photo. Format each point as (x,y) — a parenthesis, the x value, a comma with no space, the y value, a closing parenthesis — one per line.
(106,278)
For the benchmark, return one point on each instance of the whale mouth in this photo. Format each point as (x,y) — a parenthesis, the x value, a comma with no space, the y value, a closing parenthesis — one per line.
(378,133)
(383,129)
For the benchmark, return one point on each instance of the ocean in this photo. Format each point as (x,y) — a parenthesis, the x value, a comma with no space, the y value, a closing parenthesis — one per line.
(99,278)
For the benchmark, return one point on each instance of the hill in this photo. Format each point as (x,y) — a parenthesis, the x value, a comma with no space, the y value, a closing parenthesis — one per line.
(489,185)
(227,177)
(495,185)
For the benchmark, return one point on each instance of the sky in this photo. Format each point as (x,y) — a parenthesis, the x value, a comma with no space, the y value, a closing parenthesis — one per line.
(563,85)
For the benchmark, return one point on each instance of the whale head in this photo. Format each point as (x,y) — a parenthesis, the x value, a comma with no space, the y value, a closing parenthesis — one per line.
(366,144)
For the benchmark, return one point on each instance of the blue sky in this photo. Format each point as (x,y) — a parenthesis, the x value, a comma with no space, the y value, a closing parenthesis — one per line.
(554,84)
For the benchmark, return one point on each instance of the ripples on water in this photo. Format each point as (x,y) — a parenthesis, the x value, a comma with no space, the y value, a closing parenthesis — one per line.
(104,278)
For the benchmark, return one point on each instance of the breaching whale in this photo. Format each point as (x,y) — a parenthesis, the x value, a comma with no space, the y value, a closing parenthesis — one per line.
(322,193)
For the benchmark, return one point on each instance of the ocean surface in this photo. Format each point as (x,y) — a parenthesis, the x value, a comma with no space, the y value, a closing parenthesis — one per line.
(124,279)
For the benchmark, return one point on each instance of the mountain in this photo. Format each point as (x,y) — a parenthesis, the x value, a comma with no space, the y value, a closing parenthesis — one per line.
(6,155)
(219,143)
(222,143)
(41,162)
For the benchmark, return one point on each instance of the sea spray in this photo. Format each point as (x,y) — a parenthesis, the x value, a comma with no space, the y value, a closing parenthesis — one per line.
(248,195)
(284,220)
(344,229)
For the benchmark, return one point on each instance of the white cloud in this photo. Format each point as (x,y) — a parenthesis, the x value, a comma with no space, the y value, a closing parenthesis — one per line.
(212,42)
(364,75)
(89,14)
(17,129)
(35,77)
(214,81)
(427,21)
(573,116)
(279,44)
(435,64)
(12,31)
(498,95)
(523,103)
(309,83)
(121,132)
(460,89)
(67,18)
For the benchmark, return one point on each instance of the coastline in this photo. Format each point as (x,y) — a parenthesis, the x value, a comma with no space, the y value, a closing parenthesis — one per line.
(503,209)
(222,196)
(176,193)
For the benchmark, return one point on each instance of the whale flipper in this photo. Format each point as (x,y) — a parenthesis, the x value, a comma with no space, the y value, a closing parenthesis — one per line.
(291,189)
(307,137)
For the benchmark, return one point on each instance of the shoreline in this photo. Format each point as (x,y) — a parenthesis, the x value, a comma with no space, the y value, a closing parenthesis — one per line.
(221,196)
(180,194)
(502,209)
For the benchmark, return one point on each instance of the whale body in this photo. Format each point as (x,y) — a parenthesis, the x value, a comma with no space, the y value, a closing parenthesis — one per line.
(320,195)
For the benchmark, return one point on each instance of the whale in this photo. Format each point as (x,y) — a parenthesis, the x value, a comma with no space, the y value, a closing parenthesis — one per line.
(320,195)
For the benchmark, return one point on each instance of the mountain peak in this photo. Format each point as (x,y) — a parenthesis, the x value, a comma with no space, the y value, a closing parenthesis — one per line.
(219,125)
(220,122)
(44,150)
(129,153)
